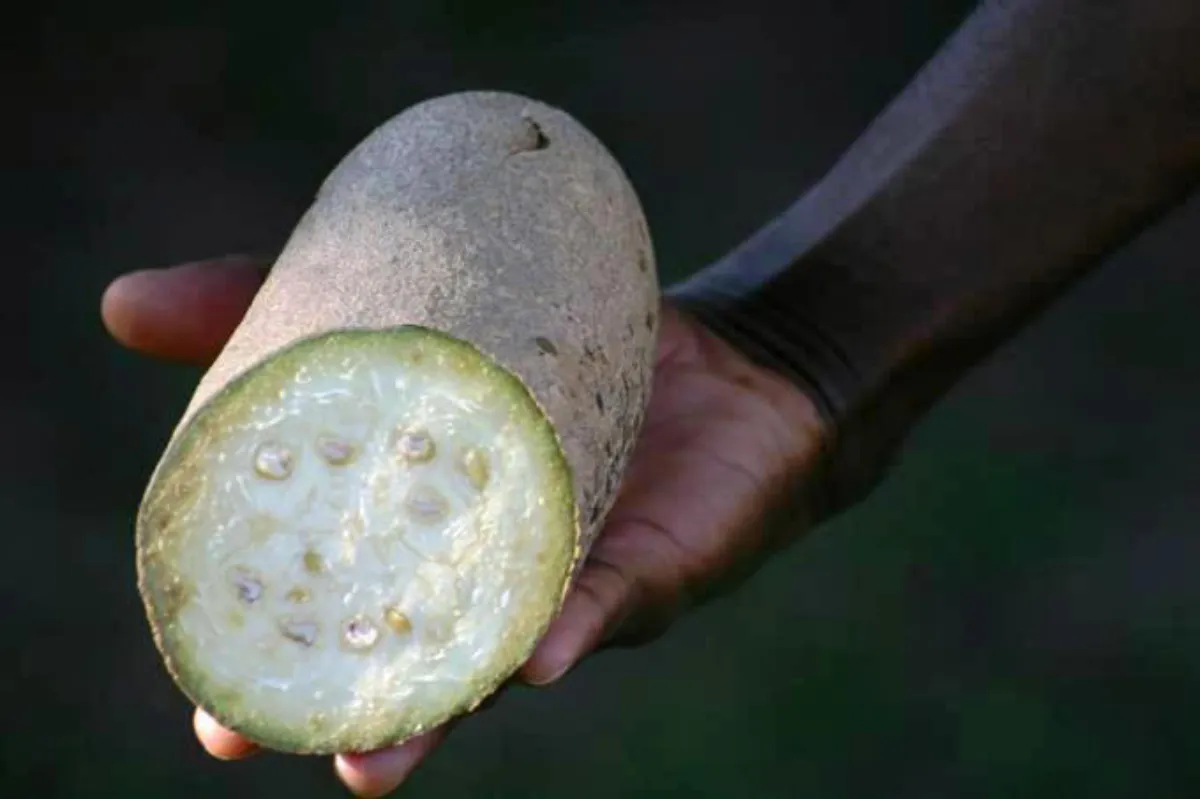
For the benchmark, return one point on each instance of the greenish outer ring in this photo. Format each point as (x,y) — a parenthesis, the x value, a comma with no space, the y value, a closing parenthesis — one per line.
(193,684)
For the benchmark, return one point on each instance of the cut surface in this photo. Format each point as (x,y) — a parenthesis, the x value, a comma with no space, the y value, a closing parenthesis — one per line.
(356,540)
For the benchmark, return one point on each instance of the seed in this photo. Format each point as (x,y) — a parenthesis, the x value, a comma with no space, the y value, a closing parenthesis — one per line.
(274,461)
(302,631)
(426,504)
(335,451)
(396,619)
(360,633)
(474,464)
(297,595)
(249,587)
(314,563)
(415,446)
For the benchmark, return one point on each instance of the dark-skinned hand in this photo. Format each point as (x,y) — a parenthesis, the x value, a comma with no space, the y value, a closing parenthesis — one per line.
(725,446)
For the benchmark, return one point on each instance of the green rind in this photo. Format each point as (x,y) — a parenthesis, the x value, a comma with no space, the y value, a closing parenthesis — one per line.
(159,586)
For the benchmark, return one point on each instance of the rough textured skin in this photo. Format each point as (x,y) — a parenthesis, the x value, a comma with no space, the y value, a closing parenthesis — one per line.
(500,221)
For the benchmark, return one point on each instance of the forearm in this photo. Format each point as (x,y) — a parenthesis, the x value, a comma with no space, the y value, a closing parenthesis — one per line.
(1043,135)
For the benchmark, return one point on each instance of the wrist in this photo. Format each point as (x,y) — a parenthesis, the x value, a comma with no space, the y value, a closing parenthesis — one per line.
(834,453)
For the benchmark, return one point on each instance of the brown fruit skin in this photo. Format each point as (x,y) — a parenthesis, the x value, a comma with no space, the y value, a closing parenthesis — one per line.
(497,220)
(490,218)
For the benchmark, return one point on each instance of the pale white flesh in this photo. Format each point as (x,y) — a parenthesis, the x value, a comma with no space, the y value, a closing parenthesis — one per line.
(370,542)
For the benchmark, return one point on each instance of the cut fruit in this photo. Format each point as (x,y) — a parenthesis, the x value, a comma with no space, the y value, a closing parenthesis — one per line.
(381,489)
(420,589)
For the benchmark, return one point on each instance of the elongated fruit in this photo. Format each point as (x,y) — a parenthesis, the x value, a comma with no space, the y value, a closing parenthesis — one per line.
(377,497)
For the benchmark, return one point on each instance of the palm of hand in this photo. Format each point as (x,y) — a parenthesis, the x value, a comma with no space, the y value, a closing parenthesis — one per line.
(725,443)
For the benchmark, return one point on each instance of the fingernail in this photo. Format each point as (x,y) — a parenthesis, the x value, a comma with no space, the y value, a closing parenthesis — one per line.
(551,660)
(542,681)
(376,774)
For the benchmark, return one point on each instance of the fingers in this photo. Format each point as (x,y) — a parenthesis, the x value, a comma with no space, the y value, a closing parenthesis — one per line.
(634,582)
(369,775)
(375,774)
(595,604)
(182,313)
(219,742)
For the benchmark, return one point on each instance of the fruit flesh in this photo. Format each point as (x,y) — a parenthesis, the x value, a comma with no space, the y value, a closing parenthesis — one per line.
(358,540)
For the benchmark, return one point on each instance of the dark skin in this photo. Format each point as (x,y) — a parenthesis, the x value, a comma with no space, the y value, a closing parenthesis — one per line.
(726,444)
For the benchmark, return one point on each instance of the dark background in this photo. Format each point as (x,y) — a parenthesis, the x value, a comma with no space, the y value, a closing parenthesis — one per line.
(1013,614)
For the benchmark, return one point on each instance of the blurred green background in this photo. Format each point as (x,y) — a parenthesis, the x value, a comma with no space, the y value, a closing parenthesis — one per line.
(1013,614)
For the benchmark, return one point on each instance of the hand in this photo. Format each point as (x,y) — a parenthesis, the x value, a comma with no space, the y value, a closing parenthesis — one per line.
(726,444)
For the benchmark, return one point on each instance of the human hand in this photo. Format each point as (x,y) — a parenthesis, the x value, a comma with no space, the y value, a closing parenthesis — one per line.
(725,446)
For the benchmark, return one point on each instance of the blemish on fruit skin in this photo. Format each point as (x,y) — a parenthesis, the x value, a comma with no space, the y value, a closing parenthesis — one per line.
(546,345)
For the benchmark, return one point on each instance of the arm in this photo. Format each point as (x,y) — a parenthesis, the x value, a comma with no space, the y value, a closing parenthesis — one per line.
(1042,136)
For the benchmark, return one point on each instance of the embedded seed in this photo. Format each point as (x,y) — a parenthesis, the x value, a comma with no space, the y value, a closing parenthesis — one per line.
(273,461)
(297,595)
(426,504)
(415,446)
(396,619)
(474,464)
(360,633)
(249,587)
(302,631)
(314,563)
(335,451)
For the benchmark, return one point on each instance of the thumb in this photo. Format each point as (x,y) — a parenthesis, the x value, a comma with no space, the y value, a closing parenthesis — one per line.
(182,313)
